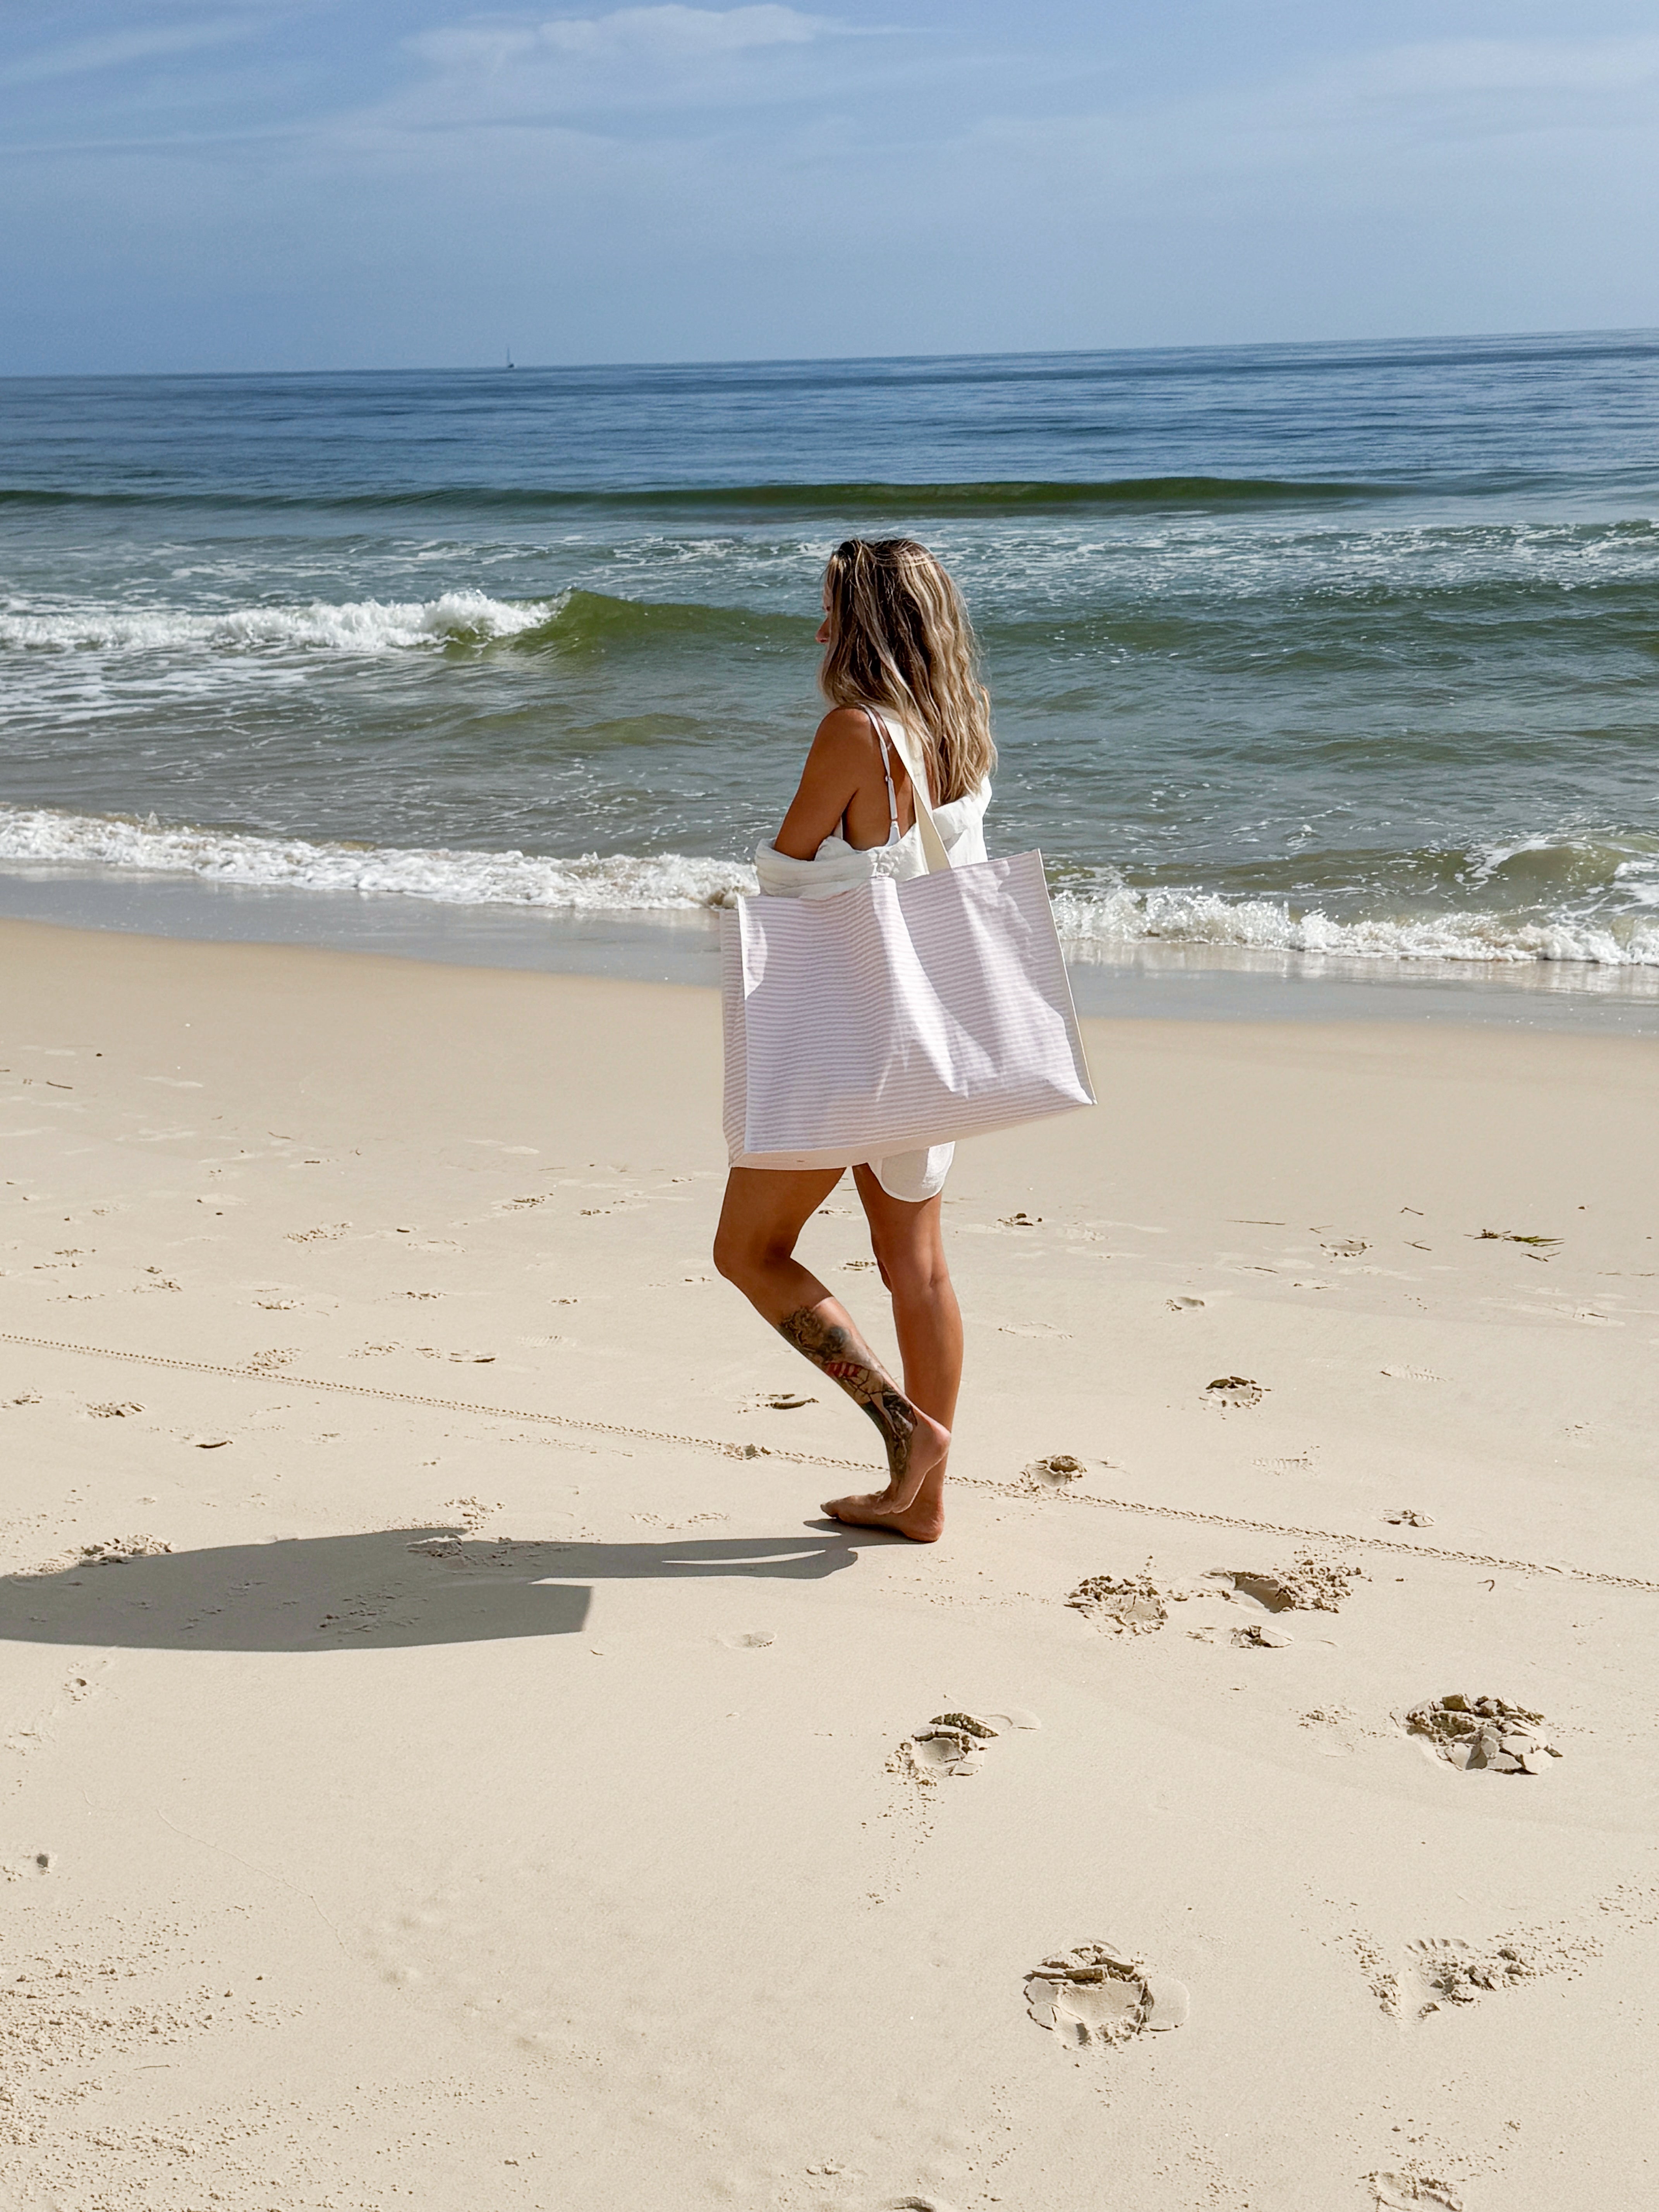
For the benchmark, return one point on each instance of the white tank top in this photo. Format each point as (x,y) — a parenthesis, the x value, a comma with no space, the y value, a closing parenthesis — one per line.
(838,866)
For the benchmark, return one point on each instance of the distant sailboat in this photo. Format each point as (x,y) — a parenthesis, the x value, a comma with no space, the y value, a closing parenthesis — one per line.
(510,363)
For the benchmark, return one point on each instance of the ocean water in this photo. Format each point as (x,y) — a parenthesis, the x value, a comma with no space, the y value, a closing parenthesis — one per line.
(1306,651)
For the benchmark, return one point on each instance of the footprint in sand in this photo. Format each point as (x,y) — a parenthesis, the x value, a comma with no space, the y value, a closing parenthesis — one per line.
(750,1639)
(1102,1994)
(1234,1391)
(1183,1305)
(1131,1604)
(1138,1604)
(951,1743)
(1397,2192)
(267,1362)
(954,1744)
(1406,1516)
(1485,1733)
(471,1513)
(1056,1473)
(1446,1970)
(118,1551)
(1337,1730)
(1312,1584)
(1442,1971)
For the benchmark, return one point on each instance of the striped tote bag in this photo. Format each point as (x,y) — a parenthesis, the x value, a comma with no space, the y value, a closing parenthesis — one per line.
(899,1014)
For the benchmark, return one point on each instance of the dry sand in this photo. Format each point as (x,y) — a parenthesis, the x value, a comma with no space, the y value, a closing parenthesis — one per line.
(446,1763)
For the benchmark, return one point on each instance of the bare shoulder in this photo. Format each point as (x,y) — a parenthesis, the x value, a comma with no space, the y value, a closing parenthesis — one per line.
(837,768)
(845,733)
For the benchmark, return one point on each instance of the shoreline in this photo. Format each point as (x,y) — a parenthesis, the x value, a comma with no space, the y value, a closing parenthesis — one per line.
(1148,981)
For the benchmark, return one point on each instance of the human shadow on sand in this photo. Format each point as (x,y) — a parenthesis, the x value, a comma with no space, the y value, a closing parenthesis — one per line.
(387,1587)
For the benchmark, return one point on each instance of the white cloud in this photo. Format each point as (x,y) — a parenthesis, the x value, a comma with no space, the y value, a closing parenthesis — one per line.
(676,30)
(1455,66)
(660,35)
(1446,91)
(529,75)
(81,56)
(1363,124)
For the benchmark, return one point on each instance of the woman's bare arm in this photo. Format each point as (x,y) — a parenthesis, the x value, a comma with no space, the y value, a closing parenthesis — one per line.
(838,766)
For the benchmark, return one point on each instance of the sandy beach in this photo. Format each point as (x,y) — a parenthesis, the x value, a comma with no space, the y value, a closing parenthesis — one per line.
(441,1737)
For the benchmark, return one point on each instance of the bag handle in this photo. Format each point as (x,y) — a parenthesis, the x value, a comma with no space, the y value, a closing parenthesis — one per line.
(904,743)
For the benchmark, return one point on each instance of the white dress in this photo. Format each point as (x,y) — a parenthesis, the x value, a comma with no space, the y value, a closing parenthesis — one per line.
(838,866)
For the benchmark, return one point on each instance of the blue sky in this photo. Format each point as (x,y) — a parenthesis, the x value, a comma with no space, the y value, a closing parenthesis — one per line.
(274,184)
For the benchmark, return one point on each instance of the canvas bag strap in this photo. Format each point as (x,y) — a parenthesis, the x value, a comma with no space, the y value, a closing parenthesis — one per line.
(904,743)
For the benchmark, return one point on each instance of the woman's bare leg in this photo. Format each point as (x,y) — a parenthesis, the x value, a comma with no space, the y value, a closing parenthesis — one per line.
(764,1212)
(908,1241)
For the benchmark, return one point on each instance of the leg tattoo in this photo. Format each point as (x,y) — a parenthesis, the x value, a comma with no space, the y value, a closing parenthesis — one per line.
(840,1355)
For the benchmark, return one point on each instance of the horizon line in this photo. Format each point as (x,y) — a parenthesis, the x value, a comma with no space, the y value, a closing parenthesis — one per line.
(808,360)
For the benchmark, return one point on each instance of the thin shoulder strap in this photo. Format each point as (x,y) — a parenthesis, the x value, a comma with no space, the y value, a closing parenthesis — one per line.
(909,752)
(887,770)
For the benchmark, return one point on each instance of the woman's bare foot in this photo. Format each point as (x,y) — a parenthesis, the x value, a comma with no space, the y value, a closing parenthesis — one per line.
(915,1508)
(923,1522)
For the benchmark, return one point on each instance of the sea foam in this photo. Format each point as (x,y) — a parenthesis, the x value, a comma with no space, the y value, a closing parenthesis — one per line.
(594,882)
(359,626)
(1102,923)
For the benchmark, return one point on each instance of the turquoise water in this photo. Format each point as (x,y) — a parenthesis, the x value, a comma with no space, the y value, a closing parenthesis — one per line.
(1339,648)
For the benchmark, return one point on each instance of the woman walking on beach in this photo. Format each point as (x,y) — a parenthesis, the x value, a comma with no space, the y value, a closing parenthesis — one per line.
(898,648)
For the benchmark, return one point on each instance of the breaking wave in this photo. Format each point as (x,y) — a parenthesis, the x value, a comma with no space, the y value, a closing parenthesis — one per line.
(573,622)
(1100,922)
(1103,923)
(592,883)
(360,626)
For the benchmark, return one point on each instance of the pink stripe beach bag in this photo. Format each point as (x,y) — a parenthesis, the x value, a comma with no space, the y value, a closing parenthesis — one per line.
(898,1014)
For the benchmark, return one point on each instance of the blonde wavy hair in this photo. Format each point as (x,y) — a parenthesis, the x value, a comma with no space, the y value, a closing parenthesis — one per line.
(899,638)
